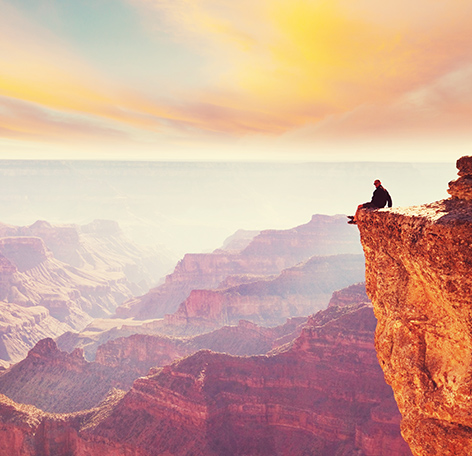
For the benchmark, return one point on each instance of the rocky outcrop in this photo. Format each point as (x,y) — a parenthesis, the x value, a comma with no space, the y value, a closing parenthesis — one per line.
(56,381)
(266,301)
(28,431)
(353,294)
(419,277)
(297,291)
(267,254)
(98,246)
(21,327)
(140,352)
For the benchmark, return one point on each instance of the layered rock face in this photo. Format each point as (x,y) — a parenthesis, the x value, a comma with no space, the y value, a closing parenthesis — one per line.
(267,301)
(268,253)
(297,291)
(140,352)
(321,395)
(43,296)
(98,246)
(419,277)
(55,381)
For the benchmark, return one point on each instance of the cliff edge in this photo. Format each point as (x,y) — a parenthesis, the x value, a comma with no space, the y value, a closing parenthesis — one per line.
(419,278)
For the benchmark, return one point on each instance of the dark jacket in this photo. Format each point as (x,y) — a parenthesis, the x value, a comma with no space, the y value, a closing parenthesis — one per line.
(381,197)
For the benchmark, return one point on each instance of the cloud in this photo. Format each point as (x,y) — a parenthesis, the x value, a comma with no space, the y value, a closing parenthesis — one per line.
(22,120)
(298,69)
(315,58)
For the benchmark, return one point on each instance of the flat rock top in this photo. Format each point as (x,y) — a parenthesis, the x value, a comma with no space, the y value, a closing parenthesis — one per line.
(444,211)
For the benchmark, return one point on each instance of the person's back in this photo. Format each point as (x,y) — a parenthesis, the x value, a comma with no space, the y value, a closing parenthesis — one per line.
(381,197)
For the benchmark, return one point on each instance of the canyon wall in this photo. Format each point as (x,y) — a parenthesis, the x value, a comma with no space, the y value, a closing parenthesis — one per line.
(267,254)
(419,277)
(55,279)
(322,394)
(61,382)
(297,291)
(266,301)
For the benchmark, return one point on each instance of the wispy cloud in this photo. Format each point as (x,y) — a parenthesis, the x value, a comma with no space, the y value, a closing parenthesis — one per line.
(271,67)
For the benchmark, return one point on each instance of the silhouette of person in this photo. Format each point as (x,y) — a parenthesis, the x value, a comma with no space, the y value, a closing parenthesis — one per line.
(380,198)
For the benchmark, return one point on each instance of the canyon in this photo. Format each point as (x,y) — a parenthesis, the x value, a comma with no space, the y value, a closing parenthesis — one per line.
(268,253)
(264,301)
(55,279)
(418,275)
(321,393)
(61,382)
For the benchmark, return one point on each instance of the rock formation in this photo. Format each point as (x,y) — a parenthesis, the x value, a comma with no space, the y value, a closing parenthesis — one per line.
(42,295)
(59,382)
(56,381)
(98,246)
(419,277)
(21,327)
(297,291)
(268,253)
(266,301)
(323,394)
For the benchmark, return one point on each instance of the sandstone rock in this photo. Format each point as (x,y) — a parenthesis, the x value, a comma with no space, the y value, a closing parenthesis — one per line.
(89,278)
(322,395)
(21,327)
(462,188)
(140,352)
(268,253)
(297,291)
(464,165)
(354,294)
(418,275)
(267,301)
(55,381)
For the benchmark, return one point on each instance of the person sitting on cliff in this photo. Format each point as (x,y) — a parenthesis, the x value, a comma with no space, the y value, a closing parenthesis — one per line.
(380,198)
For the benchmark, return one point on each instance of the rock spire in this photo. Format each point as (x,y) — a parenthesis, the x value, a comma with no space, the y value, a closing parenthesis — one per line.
(462,188)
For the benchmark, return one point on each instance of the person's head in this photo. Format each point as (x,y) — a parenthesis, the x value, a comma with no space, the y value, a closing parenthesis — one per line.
(377,183)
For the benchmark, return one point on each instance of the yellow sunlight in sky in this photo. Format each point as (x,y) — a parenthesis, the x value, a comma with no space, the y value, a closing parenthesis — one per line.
(269,68)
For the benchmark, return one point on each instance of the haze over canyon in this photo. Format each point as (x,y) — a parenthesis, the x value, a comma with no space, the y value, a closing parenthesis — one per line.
(267,344)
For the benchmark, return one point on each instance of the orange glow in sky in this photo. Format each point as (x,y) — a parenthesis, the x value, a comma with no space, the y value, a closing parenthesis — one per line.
(208,79)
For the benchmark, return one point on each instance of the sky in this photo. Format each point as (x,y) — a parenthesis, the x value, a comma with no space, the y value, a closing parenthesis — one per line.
(309,80)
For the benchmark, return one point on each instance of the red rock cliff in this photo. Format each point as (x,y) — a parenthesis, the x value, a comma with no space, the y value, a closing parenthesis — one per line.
(297,291)
(419,277)
(323,395)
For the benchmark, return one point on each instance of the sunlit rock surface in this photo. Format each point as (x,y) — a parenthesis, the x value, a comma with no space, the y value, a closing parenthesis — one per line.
(419,277)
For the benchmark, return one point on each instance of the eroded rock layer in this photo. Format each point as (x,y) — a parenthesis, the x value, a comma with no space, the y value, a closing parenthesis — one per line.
(268,253)
(322,395)
(419,277)
(297,291)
